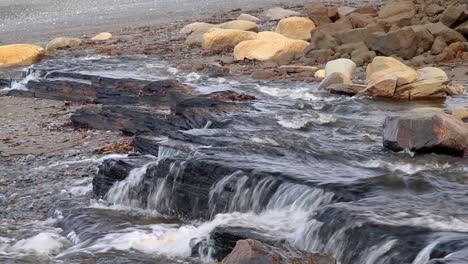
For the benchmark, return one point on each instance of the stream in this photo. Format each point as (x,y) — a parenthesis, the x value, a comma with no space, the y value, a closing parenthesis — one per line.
(301,166)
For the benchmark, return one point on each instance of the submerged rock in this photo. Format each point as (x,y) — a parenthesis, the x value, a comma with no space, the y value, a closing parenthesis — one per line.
(20,55)
(426,130)
(255,252)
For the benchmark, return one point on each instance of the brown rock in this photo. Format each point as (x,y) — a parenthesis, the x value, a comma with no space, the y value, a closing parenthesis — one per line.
(359,20)
(342,24)
(433,9)
(367,10)
(358,34)
(318,13)
(397,12)
(333,13)
(346,89)
(318,56)
(452,14)
(321,40)
(438,46)
(426,130)
(448,34)
(263,75)
(350,47)
(457,47)
(254,252)
(290,69)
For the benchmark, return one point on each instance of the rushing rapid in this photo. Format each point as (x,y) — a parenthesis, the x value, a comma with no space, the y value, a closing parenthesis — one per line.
(305,167)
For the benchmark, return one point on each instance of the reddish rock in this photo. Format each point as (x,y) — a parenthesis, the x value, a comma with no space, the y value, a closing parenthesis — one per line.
(426,130)
(254,252)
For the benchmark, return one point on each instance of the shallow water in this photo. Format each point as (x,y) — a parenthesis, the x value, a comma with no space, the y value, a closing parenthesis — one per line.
(330,186)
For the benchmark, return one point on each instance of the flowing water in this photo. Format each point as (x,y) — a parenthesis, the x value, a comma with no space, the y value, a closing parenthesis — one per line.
(311,172)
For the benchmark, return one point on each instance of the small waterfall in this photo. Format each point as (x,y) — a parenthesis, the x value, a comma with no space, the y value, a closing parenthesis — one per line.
(127,192)
(244,193)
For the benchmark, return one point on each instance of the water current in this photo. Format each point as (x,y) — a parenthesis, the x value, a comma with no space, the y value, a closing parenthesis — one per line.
(321,181)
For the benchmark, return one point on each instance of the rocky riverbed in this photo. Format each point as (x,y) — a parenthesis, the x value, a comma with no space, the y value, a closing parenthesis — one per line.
(193,142)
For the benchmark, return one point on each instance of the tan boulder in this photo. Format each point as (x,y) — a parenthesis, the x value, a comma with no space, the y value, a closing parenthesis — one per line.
(225,38)
(295,27)
(282,51)
(247,17)
(102,36)
(62,42)
(239,25)
(431,84)
(452,14)
(196,27)
(385,74)
(20,55)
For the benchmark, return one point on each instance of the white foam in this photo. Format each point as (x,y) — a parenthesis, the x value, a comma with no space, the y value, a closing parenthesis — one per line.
(407,168)
(301,121)
(21,85)
(42,244)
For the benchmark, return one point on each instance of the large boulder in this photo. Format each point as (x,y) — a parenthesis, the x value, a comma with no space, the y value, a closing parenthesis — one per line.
(102,36)
(196,27)
(62,42)
(405,42)
(282,51)
(318,13)
(358,34)
(254,252)
(426,130)
(344,66)
(20,55)
(219,39)
(343,24)
(361,20)
(278,13)
(431,84)
(320,39)
(295,27)
(452,14)
(239,25)
(385,74)
(398,13)
(441,30)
